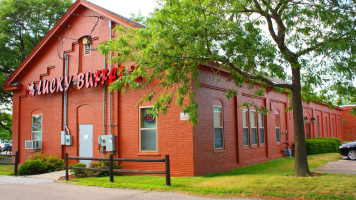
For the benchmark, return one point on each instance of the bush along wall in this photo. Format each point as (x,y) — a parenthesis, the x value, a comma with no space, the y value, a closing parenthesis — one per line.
(41,163)
(322,145)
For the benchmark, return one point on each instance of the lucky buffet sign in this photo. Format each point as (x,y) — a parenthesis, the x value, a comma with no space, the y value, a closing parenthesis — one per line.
(89,79)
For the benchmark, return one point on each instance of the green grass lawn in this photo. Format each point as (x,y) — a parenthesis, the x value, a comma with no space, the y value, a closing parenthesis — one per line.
(6,169)
(270,179)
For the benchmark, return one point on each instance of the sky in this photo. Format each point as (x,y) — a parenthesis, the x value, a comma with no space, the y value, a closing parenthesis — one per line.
(126,7)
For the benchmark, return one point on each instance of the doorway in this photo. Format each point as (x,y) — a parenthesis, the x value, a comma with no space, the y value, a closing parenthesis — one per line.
(85,142)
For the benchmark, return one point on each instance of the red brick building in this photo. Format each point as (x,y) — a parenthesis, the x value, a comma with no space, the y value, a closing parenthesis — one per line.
(61,105)
(349,124)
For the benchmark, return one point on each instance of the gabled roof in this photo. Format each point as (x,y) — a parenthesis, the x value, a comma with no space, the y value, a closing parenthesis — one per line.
(11,81)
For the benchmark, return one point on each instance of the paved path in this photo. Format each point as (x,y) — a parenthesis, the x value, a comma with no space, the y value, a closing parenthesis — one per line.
(341,166)
(52,176)
(43,189)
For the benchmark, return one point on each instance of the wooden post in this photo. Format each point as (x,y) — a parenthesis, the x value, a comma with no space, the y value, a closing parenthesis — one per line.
(168,171)
(66,163)
(111,168)
(16,162)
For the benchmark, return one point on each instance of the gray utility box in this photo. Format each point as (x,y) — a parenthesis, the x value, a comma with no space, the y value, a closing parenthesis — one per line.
(66,139)
(107,141)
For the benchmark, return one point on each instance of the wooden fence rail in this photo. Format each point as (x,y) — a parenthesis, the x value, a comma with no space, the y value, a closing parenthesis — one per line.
(16,163)
(111,169)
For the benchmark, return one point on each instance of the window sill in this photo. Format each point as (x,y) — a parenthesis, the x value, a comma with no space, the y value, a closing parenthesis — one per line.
(219,151)
(148,154)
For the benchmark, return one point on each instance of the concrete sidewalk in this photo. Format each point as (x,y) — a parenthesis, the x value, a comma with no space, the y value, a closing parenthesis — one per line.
(51,176)
(16,180)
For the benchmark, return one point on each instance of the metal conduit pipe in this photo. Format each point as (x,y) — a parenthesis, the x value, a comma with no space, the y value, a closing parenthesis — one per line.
(104,102)
(110,27)
(104,107)
(65,103)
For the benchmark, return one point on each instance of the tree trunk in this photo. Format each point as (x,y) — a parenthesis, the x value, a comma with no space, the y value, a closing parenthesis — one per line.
(301,167)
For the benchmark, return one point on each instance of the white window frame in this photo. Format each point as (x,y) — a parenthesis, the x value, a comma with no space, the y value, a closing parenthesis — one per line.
(261,127)
(32,132)
(222,127)
(255,127)
(244,112)
(140,129)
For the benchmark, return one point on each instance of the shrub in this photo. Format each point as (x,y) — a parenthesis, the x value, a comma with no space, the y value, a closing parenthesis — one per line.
(53,162)
(79,172)
(317,146)
(101,165)
(32,167)
(337,140)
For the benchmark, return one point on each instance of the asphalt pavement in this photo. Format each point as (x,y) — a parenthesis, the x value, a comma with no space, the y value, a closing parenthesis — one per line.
(43,189)
(343,166)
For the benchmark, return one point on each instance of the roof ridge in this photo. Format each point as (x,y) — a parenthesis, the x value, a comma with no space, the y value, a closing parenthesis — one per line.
(118,15)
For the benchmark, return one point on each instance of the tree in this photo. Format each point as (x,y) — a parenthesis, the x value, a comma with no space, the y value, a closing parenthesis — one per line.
(5,126)
(308,43)
(22,26)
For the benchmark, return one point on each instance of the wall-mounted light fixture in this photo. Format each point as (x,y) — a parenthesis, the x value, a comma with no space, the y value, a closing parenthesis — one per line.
(306,119)
(85,40)
(313,119)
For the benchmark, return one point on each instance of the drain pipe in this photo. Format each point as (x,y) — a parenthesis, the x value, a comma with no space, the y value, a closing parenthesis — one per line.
(65,103)
(104,108)
(110,27)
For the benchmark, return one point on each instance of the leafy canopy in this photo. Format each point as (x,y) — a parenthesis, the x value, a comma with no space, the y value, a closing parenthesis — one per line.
(253,40)
(22,26)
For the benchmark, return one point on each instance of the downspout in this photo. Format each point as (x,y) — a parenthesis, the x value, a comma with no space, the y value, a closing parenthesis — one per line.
(65,103)
(110,27)
(110,127)
(104,107)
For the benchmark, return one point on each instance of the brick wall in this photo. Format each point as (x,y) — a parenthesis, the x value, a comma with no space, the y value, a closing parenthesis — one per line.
(349,124)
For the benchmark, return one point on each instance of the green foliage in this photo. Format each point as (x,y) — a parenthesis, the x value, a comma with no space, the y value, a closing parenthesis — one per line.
(138,17)
(353,111)
(21,28)
(5,126)
(322,145)
(101,165)
(315,37)
(79,172)
(32,167)
(337,140)
(52,162)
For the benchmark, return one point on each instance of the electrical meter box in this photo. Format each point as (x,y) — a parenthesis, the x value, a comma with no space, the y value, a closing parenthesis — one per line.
(66,139)
(107,141)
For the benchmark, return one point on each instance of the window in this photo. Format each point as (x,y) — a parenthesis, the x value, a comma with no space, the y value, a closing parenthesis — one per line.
(261,125)
(278,129)
(36,127)
(318,126)
(253,125)
(218,128)
(245,127)
(326,127)
(332,126)
(148,130)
